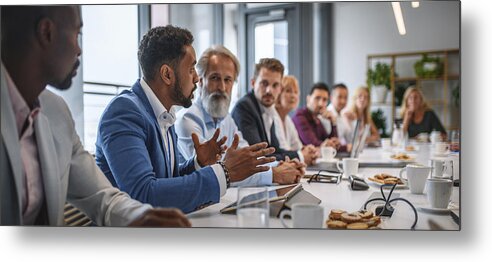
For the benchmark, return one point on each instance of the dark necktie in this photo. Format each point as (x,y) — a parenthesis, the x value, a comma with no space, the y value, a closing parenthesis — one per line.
(273,138)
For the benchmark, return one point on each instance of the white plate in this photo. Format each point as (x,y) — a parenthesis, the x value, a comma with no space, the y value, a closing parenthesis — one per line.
(404,186)
(435,210)
(445,154)
(322,160)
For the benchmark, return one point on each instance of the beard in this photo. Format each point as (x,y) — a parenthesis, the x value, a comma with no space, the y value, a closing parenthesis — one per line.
(216,104)
(178,96)
(67,82)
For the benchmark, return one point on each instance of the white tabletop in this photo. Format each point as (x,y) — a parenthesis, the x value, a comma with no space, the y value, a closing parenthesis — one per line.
(340,196)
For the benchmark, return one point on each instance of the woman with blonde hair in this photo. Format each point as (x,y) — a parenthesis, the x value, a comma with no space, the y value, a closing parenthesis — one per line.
(287,135)
(360,110)
(417,116)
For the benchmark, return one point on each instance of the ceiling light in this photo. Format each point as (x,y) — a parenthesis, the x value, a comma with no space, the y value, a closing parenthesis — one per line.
(415,4)
(399,18)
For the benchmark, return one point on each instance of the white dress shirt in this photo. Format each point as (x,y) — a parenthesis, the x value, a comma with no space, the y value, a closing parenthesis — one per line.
(288,134)
(344,129)
(270,116)
(196,120)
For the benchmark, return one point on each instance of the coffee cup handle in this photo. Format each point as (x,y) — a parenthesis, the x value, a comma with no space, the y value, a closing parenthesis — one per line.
(282,215)
(401,173)
(334,152)
(339,168)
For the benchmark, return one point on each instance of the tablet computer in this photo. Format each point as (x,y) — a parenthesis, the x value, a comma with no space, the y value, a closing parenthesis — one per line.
(274,195)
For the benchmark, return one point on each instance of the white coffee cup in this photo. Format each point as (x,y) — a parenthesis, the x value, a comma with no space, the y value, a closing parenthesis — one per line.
(416,177)
(328,152)
(439,192)
(440,147)
(386,144)
(350,166)
(440,167)
(304,216)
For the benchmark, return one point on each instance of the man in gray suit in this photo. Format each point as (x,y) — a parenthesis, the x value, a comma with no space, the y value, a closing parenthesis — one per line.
(43,163)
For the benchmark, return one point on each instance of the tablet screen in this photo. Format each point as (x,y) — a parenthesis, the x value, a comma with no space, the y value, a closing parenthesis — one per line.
(273,195)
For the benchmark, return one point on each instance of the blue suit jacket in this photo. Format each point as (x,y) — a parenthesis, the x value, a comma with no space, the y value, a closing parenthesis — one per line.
(131,153)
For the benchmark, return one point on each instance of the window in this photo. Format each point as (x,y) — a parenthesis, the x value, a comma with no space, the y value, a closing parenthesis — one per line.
(110,64)
(271,40)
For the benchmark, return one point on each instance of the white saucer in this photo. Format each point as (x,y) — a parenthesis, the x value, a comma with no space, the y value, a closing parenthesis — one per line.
(323,160)
(445,154)
(435,210)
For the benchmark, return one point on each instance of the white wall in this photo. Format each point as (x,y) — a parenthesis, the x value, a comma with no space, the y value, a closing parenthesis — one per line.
(362,28)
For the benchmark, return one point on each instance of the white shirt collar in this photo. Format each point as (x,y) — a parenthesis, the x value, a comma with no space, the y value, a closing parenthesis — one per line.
(161,114)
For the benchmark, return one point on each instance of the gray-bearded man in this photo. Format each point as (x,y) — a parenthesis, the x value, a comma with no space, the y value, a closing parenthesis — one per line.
(218,69)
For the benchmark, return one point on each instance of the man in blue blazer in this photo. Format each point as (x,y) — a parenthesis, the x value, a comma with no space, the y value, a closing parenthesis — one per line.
(136,143)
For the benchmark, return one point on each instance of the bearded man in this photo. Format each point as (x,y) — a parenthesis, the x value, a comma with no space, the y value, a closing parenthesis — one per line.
(218,69)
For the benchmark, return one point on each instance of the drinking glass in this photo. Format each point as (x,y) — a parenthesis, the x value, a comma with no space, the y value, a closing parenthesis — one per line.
(455,141)
(252,207)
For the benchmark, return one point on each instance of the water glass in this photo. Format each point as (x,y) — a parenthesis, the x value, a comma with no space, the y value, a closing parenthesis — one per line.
(252,207)
(455,141)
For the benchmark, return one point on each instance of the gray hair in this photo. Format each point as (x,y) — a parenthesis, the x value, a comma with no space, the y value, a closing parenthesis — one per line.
(202,64)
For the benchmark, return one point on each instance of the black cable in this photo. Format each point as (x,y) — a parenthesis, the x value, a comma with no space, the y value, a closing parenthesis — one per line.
(388,201)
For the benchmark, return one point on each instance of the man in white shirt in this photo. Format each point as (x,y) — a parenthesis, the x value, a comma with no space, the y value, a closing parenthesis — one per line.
(218,69)
(338,101)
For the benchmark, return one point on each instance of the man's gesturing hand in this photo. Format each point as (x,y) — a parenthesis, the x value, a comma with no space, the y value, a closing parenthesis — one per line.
(246,161)
(211,151)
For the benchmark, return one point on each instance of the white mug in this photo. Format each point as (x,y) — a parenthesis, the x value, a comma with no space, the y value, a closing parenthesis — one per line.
(416,177)
(350,167)
(440,148)
(440,167)
(439,192)
(304,216)
(328,152)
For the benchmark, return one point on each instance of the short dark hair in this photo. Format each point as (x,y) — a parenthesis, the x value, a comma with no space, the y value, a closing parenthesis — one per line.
(271,64)
(320,86)
(162,45)
(19,23)
(339,85)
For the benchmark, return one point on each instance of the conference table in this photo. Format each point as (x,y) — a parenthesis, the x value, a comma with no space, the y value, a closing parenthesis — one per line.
(340,196)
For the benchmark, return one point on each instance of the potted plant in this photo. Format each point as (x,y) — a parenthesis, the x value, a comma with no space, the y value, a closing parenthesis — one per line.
(380,122)
(378,80)
(428,67)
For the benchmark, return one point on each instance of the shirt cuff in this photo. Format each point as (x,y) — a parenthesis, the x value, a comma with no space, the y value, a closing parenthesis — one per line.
(259,179)
(197,166)
(219,173)
(300,155)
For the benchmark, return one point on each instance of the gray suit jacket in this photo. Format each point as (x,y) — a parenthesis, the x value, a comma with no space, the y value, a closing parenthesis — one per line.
(69,172)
